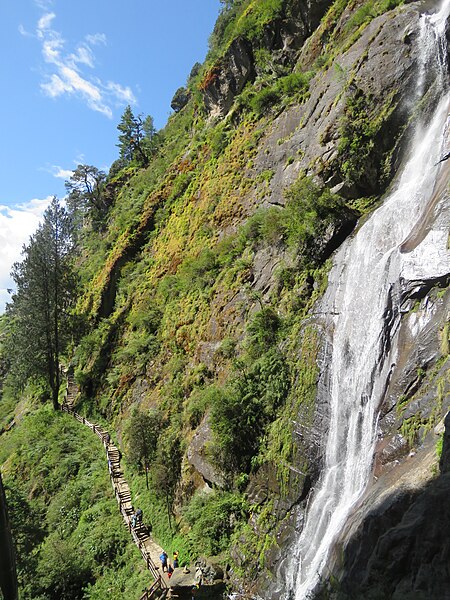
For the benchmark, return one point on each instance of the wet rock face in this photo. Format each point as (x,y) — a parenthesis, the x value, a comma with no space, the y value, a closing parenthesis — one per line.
(396,543)
(403,551)
(412,392)
(445,457)
(380,65)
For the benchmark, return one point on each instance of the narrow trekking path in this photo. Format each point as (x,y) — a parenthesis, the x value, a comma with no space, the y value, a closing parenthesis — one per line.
(150,551)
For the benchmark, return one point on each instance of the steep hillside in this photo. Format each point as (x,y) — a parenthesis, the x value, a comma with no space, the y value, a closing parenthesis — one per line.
(199,293)
(215,255)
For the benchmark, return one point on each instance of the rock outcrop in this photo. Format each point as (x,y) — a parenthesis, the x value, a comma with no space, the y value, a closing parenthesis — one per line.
(283,37)
(227,79)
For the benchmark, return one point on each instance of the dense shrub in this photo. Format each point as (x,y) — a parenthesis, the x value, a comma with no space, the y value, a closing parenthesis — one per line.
(240,414)
(212,518)
(65,522)
(264,100)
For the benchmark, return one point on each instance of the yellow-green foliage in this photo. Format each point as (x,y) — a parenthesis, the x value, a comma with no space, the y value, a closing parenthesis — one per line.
(246,19)
(445,340)
(170,280)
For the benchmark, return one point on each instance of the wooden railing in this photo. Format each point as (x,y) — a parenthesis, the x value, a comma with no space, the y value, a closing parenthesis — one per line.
(7,427)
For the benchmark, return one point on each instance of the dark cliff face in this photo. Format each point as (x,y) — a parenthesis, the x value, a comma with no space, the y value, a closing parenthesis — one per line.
(283,37)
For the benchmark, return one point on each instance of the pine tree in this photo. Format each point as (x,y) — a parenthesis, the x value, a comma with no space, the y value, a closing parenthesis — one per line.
(39,309)
(137,139)
(86,199)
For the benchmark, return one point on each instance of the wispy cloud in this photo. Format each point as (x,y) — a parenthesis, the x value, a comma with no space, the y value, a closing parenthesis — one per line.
(96,39)
(72,72)
(44,4)
(24,32)
(61,173)
(44,23)
(17,224)
(120,92)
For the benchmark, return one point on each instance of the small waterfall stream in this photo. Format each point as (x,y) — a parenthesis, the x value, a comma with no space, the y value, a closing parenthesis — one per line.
(365,290)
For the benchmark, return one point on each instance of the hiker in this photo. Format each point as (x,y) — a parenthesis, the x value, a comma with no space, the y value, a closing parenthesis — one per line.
(110,467)
(175,560)
(169,571)
(163,558)
(136,519)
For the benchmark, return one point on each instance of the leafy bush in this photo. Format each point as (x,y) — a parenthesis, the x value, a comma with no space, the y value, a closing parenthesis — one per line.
(309,211)
(360,157)
(212,518)
(262,331)
(64,519)
(264,100)
(294,82)
(241,412)
(245,18)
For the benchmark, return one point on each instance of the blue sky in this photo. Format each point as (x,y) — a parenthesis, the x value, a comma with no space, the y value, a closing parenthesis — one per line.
(68,69)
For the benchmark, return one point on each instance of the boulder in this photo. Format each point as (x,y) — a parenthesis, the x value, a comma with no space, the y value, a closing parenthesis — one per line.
(197,455)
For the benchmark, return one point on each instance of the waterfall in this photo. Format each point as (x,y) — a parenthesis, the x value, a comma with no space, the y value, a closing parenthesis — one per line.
(366,282)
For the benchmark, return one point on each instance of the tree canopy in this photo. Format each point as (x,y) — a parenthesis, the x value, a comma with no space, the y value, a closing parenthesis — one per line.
(86,199)
(137,139)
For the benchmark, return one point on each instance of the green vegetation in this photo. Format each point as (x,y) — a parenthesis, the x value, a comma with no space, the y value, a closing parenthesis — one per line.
(212,519)
(137,139)
(359,156)
(309,210)
(175,327)
(289,89)
(70,540)
(246,18)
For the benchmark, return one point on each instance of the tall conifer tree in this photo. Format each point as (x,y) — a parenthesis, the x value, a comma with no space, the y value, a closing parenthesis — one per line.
(137,137)
(39,308)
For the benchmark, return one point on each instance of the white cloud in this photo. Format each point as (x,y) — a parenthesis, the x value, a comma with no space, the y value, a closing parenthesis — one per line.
(51,50)
(44,24)
(61,173)
(76,83)
(44,4)
(83,55)
(55,87)
(96,39)
(36,207)
(17,224)
(65,70)
(121,93)
(24,32)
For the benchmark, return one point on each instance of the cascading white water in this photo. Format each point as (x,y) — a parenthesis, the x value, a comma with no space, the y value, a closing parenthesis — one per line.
(366,282)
